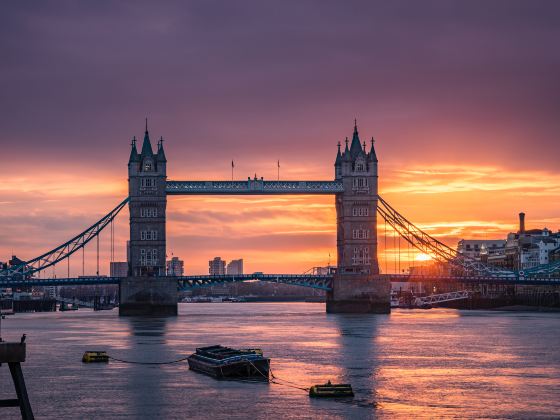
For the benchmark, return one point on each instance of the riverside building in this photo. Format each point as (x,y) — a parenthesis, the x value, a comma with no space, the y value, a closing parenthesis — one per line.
(217,267)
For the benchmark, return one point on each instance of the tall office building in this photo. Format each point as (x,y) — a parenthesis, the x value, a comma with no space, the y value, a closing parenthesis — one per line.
(118,269)
(175,267)
(235,267)
(217,267)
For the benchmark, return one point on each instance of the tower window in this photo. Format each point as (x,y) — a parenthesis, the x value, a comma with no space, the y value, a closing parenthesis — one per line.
(148,235)
(148,212)
(148,182)
(361,182)
(148,257)
(361,256)
(360,211)
(148,166)
(360,167)
(360,233)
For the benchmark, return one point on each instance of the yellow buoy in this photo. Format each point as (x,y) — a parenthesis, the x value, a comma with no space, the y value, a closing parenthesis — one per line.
(95,357)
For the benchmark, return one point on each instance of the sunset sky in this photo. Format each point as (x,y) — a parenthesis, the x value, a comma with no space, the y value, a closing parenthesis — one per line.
(462,97)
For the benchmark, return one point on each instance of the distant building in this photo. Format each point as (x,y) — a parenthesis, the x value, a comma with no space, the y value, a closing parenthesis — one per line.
(235,267)
(175,267)
(216,267)
(520,250)
(118,269)
(473,248)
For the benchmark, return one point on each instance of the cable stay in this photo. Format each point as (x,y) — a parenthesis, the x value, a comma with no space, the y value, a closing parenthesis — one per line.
(50,258)
(429,245)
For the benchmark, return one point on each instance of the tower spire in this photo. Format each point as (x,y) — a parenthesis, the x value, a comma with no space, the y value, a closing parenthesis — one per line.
(372,154)
(160,153)
(338,156)
(355,147)
(133,151)
(146,144)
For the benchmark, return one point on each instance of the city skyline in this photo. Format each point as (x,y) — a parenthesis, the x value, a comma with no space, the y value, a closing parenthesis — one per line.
(464,117)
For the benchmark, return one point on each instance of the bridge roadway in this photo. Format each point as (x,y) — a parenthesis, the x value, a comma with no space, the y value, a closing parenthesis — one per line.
(322,282)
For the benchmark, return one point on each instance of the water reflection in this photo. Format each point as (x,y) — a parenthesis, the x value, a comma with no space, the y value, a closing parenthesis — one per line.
(147,326)
(414,364)
(358,353)
(147,343)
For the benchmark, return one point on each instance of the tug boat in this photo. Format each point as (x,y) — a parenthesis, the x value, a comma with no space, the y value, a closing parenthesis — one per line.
(227,363)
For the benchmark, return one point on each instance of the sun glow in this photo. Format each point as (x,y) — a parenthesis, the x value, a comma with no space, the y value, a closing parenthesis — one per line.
(422,257)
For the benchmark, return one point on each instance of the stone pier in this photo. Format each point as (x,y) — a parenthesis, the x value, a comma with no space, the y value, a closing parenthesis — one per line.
(352,293)
(148,296)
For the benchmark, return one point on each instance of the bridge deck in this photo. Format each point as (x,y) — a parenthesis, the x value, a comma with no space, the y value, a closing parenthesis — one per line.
(322,282)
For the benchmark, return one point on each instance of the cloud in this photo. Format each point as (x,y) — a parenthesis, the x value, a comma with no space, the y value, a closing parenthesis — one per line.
(438,179)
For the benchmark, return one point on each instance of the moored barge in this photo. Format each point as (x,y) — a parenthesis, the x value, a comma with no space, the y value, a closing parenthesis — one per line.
(227,363)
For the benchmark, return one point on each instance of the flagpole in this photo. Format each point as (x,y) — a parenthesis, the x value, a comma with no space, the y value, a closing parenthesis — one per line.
(278,170)
(232,165)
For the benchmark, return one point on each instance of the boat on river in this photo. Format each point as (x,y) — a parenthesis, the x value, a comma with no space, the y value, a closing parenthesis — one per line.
(227,363)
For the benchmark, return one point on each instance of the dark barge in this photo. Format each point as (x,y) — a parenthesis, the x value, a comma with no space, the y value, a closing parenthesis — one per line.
(227,363)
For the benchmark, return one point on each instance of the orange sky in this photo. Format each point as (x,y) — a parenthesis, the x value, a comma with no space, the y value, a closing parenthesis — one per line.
(43,206)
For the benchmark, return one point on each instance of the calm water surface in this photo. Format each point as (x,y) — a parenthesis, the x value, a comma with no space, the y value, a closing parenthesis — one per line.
(411,364)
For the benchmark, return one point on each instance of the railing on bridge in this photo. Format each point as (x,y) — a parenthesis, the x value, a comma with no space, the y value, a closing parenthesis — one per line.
(322,282)
(253,187)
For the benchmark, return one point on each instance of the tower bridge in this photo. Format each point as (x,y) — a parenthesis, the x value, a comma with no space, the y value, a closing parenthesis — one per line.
(356,286)
(355,189)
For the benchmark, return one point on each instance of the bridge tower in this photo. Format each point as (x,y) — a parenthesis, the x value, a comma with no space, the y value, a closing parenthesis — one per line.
(146,290)
(147,174)
(355,289)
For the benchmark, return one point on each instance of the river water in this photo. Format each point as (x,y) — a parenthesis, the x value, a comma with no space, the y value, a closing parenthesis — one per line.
(436,363)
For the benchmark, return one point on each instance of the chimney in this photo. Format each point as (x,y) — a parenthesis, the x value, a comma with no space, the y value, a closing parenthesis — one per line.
(521,222)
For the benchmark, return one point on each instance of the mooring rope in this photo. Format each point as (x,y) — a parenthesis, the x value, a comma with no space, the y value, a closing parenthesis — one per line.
(148,363)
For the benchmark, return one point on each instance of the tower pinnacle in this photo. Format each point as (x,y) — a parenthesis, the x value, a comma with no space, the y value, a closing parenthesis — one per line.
(355,147)
(147,145)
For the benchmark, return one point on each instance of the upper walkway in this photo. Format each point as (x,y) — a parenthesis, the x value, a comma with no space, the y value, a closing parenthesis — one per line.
(253,187)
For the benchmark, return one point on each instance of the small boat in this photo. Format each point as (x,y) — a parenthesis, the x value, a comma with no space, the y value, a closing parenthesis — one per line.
(68,307)
(227,363)
(95,357)
(394,300)
(329,390)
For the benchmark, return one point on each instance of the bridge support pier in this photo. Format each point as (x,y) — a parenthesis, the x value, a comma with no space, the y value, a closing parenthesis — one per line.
(356,293)
(140,296)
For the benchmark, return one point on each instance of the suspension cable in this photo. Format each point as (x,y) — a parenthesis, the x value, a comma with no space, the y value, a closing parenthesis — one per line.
(97,255)
(399,239)
(394,248)
(385,247)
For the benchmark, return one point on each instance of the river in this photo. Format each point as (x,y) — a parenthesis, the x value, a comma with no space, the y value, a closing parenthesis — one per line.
(436,363)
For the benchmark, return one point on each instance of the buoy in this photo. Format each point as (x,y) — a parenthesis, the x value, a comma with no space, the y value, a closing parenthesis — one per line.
(95,357)
(329,390)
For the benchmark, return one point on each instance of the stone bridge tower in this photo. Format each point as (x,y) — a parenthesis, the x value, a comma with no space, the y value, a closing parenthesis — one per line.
(146,291)
(355,289)
(147,175)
